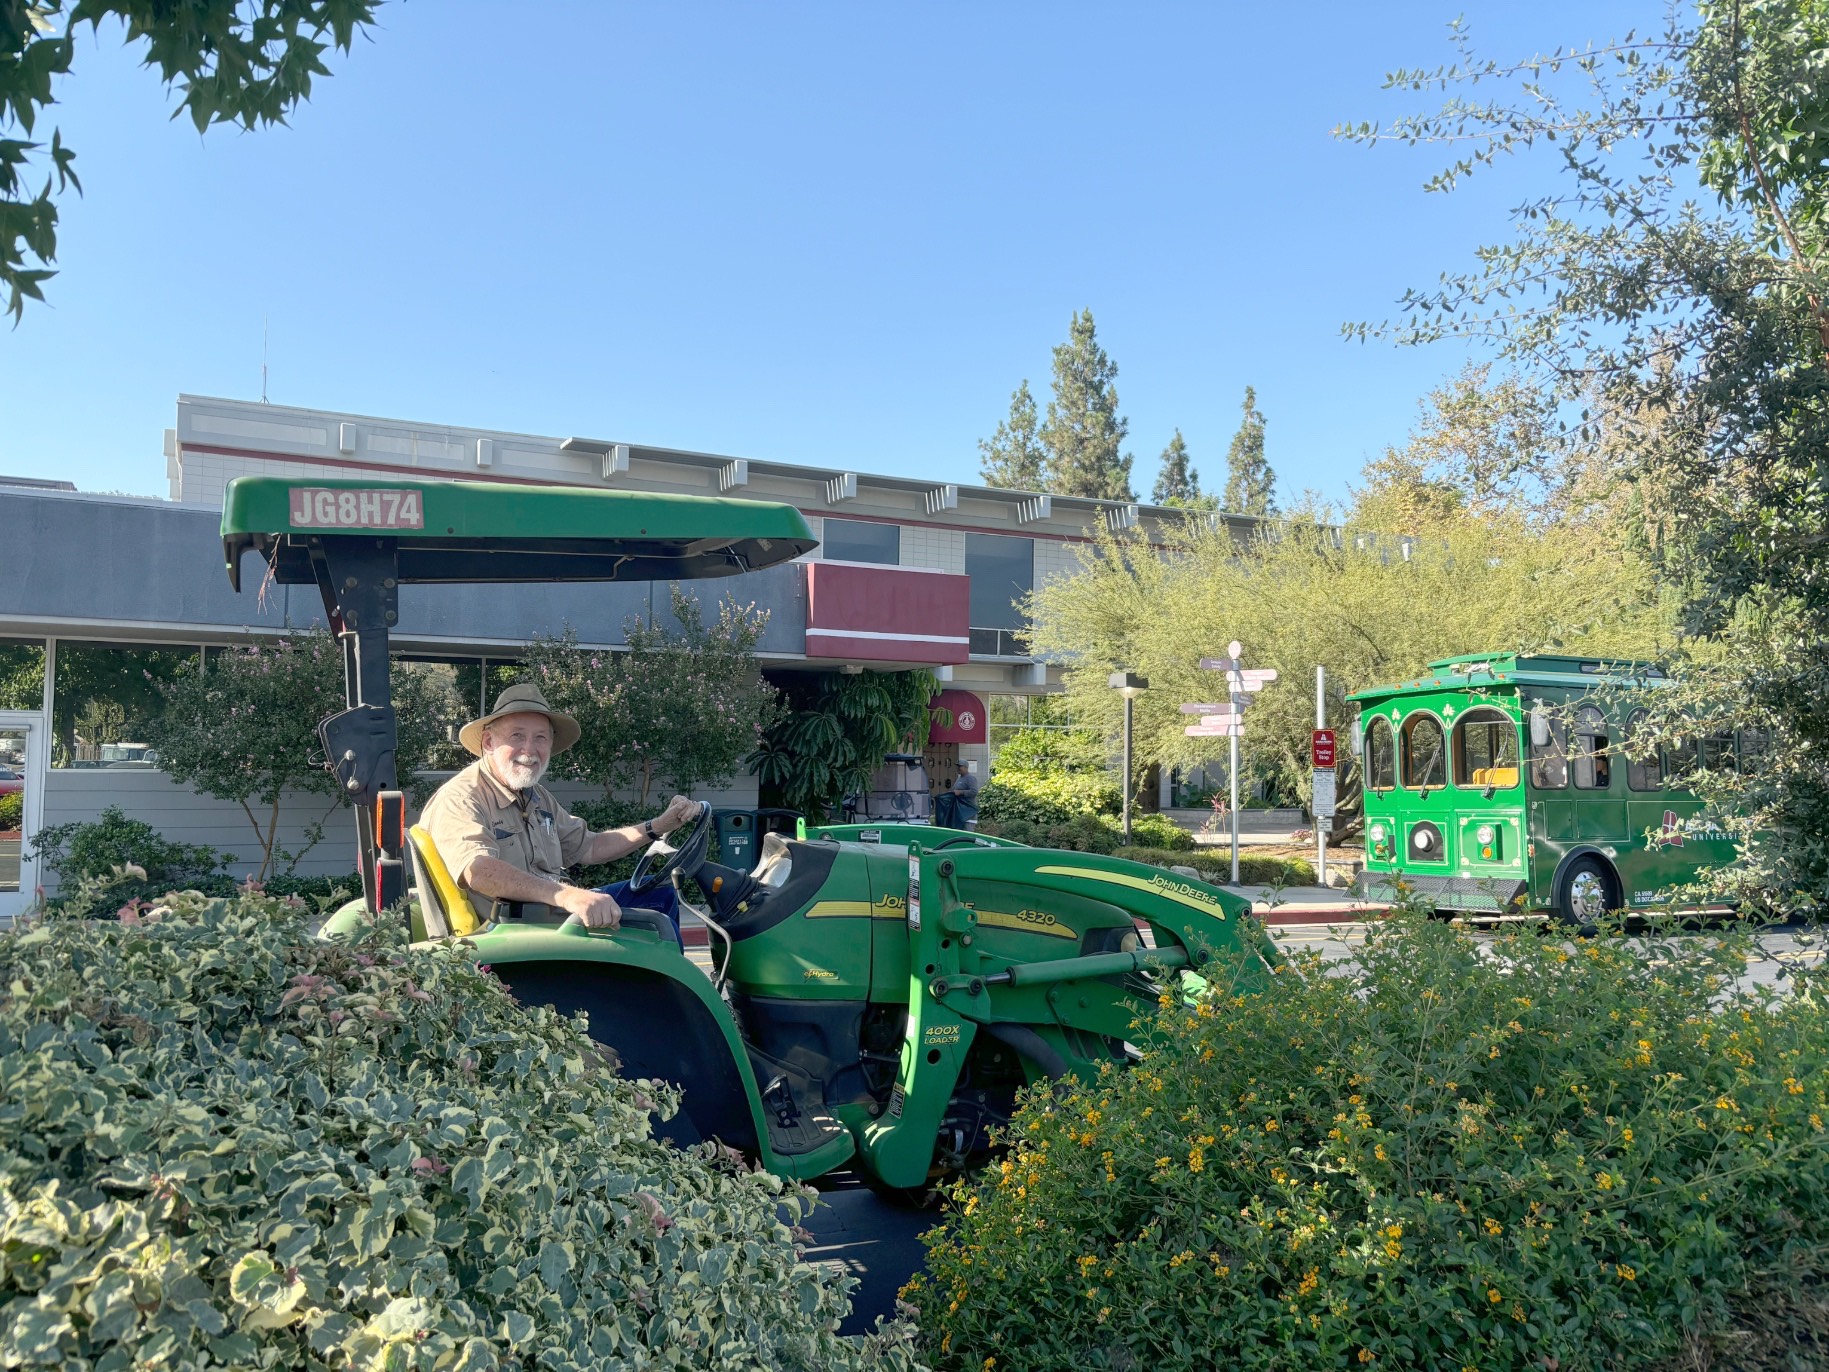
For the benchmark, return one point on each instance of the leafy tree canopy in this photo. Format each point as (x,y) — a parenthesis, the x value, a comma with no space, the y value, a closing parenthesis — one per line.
(245,62)
(1014,457)
(1250,482)
(1671,290)
(682,705)
(1178,483)
(1085,433)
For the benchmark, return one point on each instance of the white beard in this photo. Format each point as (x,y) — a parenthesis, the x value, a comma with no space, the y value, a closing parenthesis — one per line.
(523,773)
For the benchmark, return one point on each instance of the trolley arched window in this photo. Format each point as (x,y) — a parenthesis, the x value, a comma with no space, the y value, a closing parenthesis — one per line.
(1380,755)
(1590,763)
(1485,749)
(1646,774)
(1425,752)
(1549,748)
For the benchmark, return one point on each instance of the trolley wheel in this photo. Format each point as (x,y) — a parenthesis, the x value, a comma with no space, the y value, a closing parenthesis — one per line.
(1585,895)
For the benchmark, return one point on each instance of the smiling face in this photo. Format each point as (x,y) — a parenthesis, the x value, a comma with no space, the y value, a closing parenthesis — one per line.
(518,748)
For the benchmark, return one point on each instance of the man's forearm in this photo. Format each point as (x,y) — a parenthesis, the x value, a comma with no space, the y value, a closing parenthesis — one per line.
(492,877)
(607,847)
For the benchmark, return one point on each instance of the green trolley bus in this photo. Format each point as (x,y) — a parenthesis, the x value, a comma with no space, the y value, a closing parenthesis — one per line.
(1498,785)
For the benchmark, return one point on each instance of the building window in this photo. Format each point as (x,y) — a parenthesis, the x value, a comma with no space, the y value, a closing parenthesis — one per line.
(1007,715)
(855,540)
(103,697)
(21,674)
(1002,570)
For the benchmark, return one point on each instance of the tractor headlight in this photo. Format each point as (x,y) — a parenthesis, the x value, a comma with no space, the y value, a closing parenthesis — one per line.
(1484,833)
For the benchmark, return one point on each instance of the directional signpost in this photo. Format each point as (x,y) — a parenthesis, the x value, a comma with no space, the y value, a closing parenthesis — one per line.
(1321,755)
(1226,719)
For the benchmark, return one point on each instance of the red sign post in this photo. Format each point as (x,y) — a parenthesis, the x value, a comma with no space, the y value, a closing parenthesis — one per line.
(1321,750)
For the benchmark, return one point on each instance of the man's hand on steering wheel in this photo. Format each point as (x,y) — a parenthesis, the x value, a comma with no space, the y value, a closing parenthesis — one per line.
(679,811)
(654,867)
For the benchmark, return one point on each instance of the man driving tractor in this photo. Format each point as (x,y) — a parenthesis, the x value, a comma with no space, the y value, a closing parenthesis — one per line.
(507,839)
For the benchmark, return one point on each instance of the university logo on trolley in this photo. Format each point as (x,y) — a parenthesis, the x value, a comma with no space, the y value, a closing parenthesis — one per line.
(319,507)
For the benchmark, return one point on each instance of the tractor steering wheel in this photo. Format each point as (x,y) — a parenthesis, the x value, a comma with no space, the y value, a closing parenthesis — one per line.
(685,859)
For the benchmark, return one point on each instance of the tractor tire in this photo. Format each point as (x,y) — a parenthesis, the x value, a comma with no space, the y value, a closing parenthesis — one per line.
(1585,895)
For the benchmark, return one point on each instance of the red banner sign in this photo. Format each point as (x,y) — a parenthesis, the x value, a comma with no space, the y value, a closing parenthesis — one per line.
(968,718)
(1322,749)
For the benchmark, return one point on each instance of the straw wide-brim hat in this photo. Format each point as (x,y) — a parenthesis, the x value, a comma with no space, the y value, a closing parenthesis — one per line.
(523,698)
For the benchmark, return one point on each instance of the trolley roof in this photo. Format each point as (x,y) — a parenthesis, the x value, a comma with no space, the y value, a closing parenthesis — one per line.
(472,531)
(1517,669)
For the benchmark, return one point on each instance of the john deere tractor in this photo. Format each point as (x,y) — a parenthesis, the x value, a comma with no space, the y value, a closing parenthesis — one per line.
(876,995)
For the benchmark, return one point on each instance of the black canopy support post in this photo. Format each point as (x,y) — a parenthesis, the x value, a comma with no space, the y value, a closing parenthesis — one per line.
(359,579)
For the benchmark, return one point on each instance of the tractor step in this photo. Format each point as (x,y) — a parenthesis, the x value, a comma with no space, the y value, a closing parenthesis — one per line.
(793,1106)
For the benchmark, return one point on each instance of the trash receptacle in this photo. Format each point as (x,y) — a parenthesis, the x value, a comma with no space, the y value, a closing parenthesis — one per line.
(736,830)
(773,819)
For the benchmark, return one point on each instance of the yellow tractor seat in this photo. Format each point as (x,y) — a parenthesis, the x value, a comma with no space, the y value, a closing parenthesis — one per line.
(443,907)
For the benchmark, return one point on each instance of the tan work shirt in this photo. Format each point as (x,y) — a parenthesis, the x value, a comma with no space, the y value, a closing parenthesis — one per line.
(474,815)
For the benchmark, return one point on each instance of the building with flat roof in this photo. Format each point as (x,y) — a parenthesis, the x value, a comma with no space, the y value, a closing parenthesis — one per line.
(909,573)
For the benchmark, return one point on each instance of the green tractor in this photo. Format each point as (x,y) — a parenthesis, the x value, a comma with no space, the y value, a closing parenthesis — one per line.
(877,995)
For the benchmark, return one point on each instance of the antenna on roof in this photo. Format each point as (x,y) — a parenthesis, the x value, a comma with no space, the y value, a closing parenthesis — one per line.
(263,359)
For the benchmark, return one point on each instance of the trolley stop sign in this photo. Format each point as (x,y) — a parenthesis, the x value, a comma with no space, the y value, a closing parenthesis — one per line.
(1321,750)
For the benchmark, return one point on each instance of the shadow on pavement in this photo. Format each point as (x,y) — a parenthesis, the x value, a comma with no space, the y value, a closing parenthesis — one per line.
(873,1239)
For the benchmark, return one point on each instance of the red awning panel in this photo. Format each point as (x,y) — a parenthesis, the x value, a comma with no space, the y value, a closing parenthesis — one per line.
(968,718)
(865,613)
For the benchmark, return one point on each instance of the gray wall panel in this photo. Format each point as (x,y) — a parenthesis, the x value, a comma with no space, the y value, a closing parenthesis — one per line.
(132,563)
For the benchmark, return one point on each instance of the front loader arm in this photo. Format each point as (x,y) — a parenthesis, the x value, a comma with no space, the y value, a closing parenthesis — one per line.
(1076,1004)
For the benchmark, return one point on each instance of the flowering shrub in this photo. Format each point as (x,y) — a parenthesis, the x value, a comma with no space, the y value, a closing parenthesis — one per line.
(244,728)
(226,1144)
(681,706)
(1537,1154)
(12,810)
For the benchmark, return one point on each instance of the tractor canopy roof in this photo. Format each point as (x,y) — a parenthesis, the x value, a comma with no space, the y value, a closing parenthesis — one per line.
(1517,669)
(471,531)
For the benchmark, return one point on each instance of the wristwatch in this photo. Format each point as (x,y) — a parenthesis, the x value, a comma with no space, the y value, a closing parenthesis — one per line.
(647,827)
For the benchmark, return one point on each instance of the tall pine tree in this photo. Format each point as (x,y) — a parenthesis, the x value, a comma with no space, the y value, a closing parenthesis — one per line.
(1014,457)
(1250,483)
(1084,433)
(1177,483)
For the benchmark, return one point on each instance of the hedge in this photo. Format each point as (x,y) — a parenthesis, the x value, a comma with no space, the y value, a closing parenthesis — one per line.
(1215,865)
(1521,1153)
(226,1144)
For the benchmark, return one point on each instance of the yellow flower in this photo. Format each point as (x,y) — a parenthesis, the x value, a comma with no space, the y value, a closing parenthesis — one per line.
(1162,1163)
(1494,1227)
(1604,1181)
(1794,1086)
(1626,1134)
(1379,1153)
(1393,1231)
(1492,1294)
(1365,1355)
(1270,1126)
(1196,1159)
(1310,1280)
(1627,1273)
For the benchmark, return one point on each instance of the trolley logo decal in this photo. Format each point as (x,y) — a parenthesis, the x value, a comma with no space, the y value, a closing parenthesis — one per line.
(1671,835)
(318,507)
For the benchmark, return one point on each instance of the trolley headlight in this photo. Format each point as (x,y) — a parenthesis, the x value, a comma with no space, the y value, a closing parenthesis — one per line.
(1484,833)
(1379,833)
(1424,840)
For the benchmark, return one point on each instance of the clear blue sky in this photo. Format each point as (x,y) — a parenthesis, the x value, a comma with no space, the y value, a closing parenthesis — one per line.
(836,234)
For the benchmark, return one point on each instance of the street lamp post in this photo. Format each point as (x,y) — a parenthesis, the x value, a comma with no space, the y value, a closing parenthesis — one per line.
(1130,686)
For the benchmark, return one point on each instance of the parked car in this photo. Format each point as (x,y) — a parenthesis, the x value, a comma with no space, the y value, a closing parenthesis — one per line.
(10,781)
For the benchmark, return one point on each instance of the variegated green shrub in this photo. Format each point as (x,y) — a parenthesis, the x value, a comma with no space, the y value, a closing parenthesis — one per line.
(226,1144)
